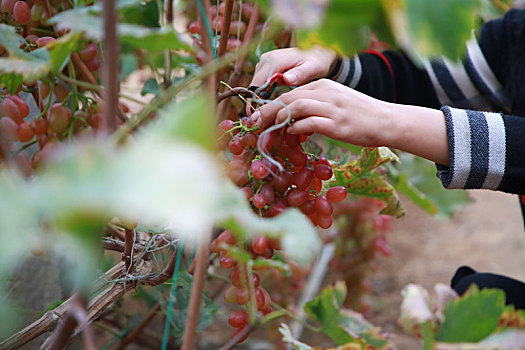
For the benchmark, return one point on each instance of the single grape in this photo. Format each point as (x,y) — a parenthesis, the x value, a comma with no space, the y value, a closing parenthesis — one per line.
(7,6)
(43,89)
(24,131)
(263,299)
(297,158)
(23,164)
(316,185)
(227,262)
(282,181)
(336,194)
(89,52)
(193,27)
(22,13)
(242,296)
(230,294)
(235,146)
(43,41)
(268,253)
(258,201)
(238,319)
(259,170)
(238,172)
(93,64)
(248,193)
(275,243)
(249,139)
(302,178)
(21,104)
(58,118)
(8,108)
(324,221)
(308,207)
(295,197)
(275,209)
(259,244)
(323,206)
(268,193)
(256,280)
(236,277)
(266,141)
(233,44)
(323,160)
(292,140)
(36,12)
(236,331)
(323,172)
(8,129)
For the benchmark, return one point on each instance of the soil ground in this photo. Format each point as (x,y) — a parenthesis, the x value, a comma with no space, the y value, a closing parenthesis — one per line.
(487,235)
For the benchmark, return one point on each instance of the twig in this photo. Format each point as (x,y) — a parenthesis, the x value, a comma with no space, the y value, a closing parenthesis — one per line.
(128,248)
(225,33)
(206,43)
(194,308)
(236,91)
(110,67)
(233,341)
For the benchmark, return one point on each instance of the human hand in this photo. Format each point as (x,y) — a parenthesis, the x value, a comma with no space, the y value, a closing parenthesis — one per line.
(299,67)
(331,109)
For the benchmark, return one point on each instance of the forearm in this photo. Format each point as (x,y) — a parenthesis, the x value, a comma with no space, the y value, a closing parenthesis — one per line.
(417,130)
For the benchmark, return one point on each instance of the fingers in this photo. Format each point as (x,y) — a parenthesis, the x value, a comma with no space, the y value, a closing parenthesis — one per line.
(303,108)
(277,61)
(315,124)
(267,113)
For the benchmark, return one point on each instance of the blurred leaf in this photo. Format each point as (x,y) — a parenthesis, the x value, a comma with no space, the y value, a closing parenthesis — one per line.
(299,239)
(415,308)
(288,338)
(11,81)
(433,28)
(299,14)
(472,317)
(356,19)
(21,65)
(416,178)
(128,65)
(143,13)
(151,86)
(208,310)
(355,323)
(130,35)
(341,152)
(192,120)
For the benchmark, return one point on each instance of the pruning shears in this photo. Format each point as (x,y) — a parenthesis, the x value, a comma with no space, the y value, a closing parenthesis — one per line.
(276,80)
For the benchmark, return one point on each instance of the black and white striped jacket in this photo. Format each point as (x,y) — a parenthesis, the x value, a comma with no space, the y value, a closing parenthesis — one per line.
(486,142)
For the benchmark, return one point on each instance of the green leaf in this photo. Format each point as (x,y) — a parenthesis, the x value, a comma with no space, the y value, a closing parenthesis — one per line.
(143,13)
(472,317)
(151,86)
(130,35)
(288,338)
(325,309)
(416,178)
(11,81)
(355,323)
(356,19)
(360,178)
(179,315)
(128,65)
(433,28)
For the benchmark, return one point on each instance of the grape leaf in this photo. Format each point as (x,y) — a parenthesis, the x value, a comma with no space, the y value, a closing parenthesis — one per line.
(472,317)
(356,19)
(130,35)
(429,28)
(360,177)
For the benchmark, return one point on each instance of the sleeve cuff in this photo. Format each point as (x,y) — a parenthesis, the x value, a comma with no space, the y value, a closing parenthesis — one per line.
(347,71)
(477,150)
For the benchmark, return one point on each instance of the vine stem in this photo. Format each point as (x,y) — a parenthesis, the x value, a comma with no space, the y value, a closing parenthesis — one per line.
(225,33)
(194,308)
(236,91)
(110,67)
(128,249)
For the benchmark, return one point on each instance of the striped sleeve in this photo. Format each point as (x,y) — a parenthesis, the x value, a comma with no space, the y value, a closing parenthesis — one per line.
(347,71)
(482,151)
(468,84)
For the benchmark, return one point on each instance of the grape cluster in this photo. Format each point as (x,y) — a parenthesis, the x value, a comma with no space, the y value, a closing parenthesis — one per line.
(269,189)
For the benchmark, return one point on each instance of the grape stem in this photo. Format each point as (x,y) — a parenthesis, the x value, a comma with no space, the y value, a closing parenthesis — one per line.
(236,91)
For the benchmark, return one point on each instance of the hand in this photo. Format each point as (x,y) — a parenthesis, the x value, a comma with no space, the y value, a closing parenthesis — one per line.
(329,108)
(299,67)
(344,114)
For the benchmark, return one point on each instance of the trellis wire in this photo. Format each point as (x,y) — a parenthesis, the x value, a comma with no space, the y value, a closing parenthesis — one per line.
(209,31)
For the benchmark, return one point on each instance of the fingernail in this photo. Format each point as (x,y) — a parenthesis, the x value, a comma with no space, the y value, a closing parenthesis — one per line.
(290,130)
(256,115)
(259,123)
(291,78)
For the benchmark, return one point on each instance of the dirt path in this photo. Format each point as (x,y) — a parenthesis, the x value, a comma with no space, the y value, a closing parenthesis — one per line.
(487,235)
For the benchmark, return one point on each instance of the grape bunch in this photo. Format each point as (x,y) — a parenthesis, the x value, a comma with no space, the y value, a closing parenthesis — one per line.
(270,190)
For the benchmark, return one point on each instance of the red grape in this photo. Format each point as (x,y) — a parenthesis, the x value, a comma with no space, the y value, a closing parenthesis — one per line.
(292,140)
(24,131)
(230,295)
(336,194)
(303,178)
(308,207)
(236,331)
(259,170)
(9,108)
(323,172)
(282,181)
(227,262)
(263,299)
(8,129)
(258,201)
(259,244)
(323,206)
(58,118)
(324,221)
(89,52)
(249,140)
(268,193)
(43,41)
(22,13)
(242,296)
(23,108)
(296,197)
(7,6)
(238,319)
(235,146)
(93,64)
(298,158)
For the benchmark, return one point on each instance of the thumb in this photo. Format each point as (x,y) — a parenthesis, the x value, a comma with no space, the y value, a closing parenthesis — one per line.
(302,74)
